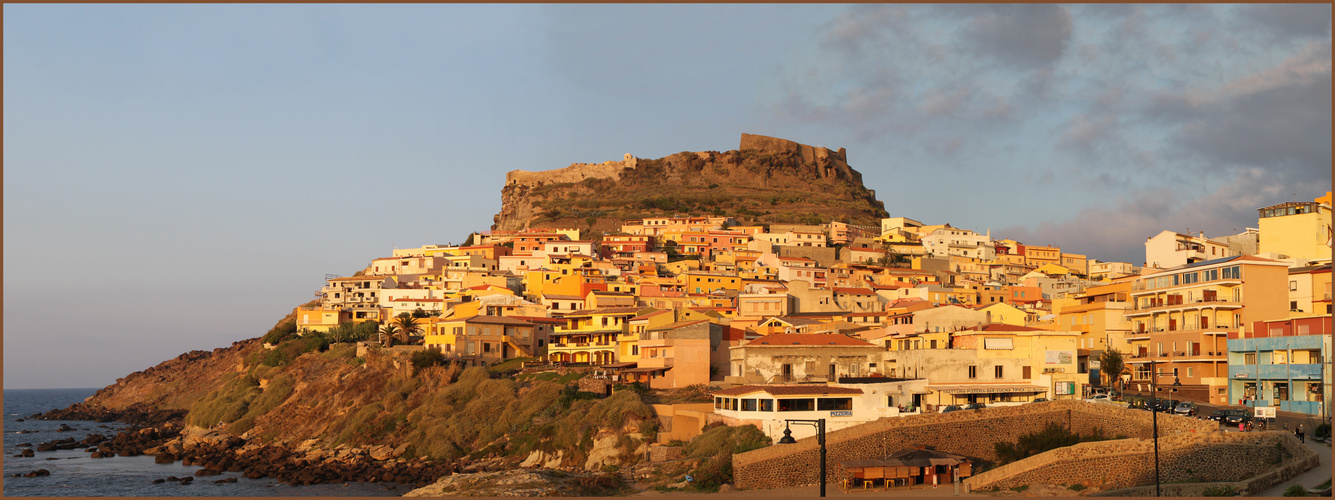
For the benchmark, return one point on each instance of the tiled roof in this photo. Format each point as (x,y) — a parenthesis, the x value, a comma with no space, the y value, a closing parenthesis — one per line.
(855,291)
(816,339)
(788,390)
(679,324)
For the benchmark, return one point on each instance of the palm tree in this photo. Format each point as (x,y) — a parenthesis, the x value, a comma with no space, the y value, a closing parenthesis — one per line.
(1111,365)
(407,325)
(387,333)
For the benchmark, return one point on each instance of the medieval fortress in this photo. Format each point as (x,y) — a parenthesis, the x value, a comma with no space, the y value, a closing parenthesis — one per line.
(825,162)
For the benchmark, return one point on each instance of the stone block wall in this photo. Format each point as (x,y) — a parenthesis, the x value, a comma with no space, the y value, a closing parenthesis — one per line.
(968,433)
(1300,459)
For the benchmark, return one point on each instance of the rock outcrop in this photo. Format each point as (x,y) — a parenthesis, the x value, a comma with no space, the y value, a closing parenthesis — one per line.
(766,179)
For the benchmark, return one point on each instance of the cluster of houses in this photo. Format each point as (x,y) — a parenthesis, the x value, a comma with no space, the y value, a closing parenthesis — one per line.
(853,323)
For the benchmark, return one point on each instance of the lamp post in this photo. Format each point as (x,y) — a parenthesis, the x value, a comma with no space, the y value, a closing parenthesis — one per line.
(819,424)
(1154,415)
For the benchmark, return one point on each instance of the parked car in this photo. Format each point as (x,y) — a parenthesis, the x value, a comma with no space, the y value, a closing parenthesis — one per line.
(1217,415)
(1099,398)
(1166,405)
(1039,400)
(975,406)
(1235,417)
(951,408)
(1187,409)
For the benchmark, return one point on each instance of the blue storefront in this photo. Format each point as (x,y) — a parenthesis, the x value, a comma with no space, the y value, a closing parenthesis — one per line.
(1285,372)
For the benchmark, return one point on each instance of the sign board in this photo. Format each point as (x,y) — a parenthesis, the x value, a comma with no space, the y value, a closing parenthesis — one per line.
(1065,388)
(1265,412)
(1059,358)
(1095,364)
(841,413)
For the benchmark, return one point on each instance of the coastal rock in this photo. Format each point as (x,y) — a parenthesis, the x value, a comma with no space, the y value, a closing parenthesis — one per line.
(38,473)
(605,451)
(382,452)
(26,453)
(164,458)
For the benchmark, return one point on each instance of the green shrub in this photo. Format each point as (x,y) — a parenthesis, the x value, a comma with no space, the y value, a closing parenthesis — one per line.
(715,447)
(1020,488)
(1322,431)
(428,357)
(1052,437)
(1076,487)
(1295,490)
(226,404)
(1220,491)
(281,332)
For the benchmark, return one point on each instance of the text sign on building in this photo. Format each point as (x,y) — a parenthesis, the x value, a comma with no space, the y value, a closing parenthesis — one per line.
(1059,357)
(841,413)
(1064,388)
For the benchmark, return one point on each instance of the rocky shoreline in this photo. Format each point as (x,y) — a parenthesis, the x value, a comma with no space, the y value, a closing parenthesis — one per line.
(161,433)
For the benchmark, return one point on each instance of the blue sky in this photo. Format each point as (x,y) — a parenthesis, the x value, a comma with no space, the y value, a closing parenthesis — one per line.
(179,177)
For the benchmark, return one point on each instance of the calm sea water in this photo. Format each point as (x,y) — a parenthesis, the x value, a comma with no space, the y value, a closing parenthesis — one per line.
(74,474)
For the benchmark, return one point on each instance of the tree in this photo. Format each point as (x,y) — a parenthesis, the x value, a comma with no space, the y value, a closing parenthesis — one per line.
(1111,365)
(407,325)
(387,333)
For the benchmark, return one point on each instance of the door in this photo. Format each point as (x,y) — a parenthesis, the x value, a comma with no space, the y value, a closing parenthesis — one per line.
(787,372)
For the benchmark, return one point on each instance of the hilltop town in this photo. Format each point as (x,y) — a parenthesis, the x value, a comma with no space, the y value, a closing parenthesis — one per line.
(951,315)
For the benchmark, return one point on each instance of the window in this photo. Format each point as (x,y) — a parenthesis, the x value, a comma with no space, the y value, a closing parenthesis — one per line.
(767,405)
(826,404)
(1025,372)
(1249,358)
(748,405)
(998,371)
(1191,372)
(797,404)
(1293,286)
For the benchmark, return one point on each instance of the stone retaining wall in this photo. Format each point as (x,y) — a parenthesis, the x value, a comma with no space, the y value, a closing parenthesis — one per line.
(1301,460)
(1203,457)
(969,433)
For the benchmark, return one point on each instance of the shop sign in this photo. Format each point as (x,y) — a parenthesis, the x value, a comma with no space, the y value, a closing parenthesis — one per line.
(841,413)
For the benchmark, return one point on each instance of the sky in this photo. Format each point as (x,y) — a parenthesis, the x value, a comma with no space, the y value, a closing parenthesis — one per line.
(179,177)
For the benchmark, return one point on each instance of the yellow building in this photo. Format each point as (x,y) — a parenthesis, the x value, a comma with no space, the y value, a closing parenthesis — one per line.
(1001,312)
(483,340)
(702,282)
(590,335)
(1300,230)
(316,319)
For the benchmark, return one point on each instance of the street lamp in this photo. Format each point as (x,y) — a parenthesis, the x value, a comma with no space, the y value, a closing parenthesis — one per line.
(1154,415)
(819,424)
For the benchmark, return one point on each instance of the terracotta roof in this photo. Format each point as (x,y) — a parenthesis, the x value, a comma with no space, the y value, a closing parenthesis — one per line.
(855,291)
(787,390)
(606,310)
(800,339)
(650,314)
(494,320)
(679,324)
(562,297)
(1002,327)
(540,319)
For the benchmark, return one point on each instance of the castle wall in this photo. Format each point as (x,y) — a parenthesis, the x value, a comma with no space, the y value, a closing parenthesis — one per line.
(576,172)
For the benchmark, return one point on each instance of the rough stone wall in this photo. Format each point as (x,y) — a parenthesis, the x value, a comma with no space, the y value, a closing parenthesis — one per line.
(1290,469)
(1208,457)
(968,433)
(574,173)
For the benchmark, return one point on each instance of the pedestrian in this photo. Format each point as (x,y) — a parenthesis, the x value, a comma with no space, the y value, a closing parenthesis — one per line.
(1242,426)
(1299,432)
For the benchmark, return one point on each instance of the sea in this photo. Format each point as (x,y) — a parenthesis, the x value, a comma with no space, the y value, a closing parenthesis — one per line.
(73,473)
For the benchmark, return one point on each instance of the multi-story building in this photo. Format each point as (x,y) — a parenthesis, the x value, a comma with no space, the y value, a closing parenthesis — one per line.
(1181,318)
(484,340)
(590,335)
(949,241)
(1169,249)
(1298,230)
(1284,364)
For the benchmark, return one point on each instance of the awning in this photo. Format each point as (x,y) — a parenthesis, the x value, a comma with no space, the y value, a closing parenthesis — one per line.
(984,389)
(614,366)
(647,370)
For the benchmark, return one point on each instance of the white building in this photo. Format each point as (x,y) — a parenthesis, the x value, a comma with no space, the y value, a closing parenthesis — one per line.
(841,405)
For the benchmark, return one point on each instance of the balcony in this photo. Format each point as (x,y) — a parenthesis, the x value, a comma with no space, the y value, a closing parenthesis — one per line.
(1185,306)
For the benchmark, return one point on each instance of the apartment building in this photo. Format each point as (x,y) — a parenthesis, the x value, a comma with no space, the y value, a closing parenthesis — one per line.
(1182,317)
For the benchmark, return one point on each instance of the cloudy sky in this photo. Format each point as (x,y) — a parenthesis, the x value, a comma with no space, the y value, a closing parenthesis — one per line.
(179,177)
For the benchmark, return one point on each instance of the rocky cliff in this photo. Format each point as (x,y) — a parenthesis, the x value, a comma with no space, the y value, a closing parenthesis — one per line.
(766,180)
